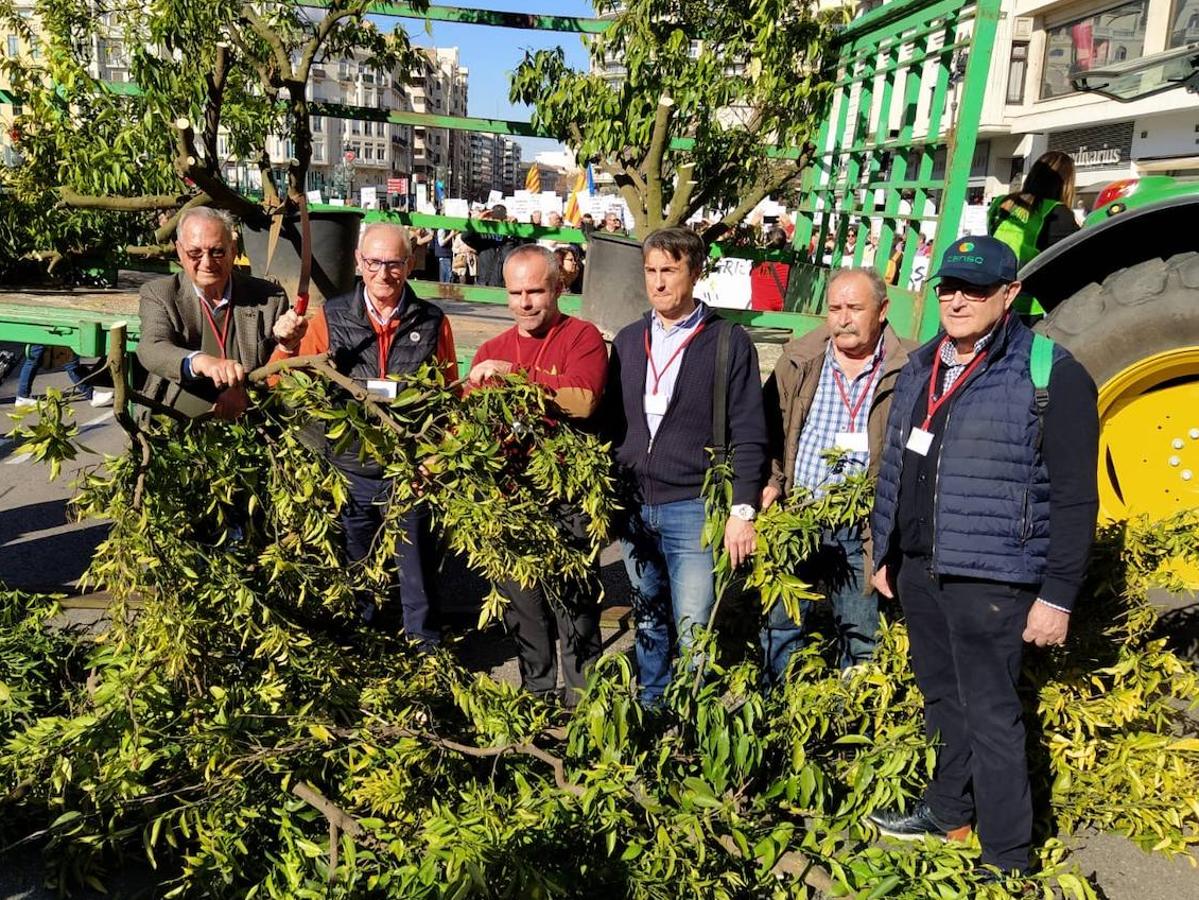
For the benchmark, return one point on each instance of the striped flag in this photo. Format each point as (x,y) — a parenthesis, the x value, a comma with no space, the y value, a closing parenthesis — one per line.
(533,180)
(573,214)
(590,181)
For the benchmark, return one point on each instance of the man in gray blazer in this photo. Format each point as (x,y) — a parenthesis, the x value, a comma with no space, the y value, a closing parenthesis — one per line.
(205,328)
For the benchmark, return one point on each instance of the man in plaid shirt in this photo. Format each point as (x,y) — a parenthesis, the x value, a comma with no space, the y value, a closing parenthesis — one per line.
(831,390)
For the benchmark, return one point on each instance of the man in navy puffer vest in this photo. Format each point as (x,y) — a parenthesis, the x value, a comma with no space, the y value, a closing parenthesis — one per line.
(982,525)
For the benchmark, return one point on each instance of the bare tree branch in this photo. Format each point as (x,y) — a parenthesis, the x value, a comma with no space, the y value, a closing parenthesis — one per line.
(167,228)
(76,200)
(653,162)
(187,166)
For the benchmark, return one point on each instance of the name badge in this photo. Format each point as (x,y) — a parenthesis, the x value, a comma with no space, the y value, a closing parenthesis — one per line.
(655,404)
(919,441)
(853,441)
(382,387)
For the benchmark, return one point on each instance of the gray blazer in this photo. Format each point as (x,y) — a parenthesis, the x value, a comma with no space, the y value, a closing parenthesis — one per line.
(172,327)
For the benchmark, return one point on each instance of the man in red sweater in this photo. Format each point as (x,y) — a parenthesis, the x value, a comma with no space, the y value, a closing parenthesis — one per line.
(568,357)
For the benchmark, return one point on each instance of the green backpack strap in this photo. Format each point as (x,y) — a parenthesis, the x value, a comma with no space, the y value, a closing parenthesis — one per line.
(1040,364)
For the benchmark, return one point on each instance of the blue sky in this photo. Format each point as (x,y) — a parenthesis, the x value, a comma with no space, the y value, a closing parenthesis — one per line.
(492,53)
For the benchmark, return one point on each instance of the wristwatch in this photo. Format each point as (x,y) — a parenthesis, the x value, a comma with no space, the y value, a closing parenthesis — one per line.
(743,511)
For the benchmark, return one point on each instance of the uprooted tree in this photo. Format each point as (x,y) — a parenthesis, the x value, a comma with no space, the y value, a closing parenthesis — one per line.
(236,726)
(693,104)
(209,84)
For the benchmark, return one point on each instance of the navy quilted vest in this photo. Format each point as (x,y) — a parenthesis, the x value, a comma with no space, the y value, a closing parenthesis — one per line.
(354,351)
(353,346)
(992,491)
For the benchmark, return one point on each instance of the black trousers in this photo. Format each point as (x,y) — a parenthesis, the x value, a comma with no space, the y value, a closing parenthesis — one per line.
(537,625)
(966,647)
(361,518)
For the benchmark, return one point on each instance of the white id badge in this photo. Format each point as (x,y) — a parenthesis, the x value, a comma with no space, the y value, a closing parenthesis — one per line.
(655,404)
(919,441)
(382,387)
(853,441)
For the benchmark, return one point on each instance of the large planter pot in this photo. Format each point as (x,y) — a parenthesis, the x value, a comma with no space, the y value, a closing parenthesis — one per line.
(334,236)
(613,282)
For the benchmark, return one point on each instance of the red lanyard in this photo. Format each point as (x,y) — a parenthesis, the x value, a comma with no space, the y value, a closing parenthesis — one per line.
(222,335)
(670,362)
(386,334)
(856,406)
(545,342)
(934,405)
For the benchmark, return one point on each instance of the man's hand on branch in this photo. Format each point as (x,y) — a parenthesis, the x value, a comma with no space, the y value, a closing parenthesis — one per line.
(289,330)
(489,368)
(231,403)
(770,494)
(740,539)
(223,372)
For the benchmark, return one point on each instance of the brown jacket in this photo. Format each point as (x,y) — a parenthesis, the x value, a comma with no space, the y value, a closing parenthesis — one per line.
(172,327)
(790,390)
(788,396)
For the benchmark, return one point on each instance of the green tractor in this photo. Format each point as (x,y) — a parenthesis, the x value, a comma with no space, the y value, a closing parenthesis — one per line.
(1122,294)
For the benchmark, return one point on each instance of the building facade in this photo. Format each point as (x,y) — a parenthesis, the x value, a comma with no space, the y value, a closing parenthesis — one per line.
(1031,106)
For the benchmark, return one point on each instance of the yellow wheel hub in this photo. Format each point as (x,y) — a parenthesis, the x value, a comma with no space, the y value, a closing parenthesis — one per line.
(1149,438)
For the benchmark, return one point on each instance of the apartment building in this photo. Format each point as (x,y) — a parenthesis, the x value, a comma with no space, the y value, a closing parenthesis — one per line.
(443,154)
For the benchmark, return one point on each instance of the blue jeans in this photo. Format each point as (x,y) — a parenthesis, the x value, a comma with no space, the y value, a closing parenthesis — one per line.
(445,269)
(33,362)
(361,519)
(835,570)
(673,585)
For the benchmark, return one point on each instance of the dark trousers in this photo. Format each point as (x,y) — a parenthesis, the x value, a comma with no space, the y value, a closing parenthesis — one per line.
(361,518)
(538,626)
(966,646)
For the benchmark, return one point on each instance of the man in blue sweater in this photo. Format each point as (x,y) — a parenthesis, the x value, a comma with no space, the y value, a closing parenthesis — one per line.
(660,416)
(984,517)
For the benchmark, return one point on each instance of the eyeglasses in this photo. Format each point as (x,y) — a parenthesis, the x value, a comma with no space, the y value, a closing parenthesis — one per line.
(393,266)
(947,289)
(198,254)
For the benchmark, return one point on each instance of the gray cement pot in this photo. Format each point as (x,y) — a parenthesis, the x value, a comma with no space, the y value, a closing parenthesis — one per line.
(613,282)
(334,236)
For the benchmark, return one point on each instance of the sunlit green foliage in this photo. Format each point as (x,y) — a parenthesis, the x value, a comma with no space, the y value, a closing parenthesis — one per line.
(243,732)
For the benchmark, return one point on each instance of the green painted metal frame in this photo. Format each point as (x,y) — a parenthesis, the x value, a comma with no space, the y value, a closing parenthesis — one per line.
(883,82)
(83,331)
(496,18)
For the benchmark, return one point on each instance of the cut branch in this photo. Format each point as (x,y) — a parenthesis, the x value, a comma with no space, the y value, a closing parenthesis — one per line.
(76,200)
(188,166)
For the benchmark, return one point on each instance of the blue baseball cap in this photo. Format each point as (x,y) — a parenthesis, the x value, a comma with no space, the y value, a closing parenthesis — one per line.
(978,259)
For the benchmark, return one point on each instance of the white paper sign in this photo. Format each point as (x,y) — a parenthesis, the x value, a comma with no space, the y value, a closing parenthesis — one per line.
(495,197)
(550,203)
(727,285)
(456,208)
(424,204)
(370,198)
(521,209)
(315,197)
(974,219)
(523,195)
(337,201)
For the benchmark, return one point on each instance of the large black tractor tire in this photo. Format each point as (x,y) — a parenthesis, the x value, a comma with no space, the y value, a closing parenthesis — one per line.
(1135,313)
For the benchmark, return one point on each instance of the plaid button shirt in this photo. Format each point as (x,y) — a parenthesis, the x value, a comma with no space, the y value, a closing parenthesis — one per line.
(953,368)
(828,416)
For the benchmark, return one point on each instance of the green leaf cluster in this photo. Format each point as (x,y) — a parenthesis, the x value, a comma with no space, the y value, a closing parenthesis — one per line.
(742,76)
(235,725)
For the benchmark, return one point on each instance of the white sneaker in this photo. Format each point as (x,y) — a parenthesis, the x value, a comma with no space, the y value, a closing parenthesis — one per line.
(101,398)
(23,402)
